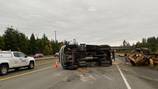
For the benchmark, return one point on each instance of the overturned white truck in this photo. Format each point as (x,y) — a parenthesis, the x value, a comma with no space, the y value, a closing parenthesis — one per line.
(74,56)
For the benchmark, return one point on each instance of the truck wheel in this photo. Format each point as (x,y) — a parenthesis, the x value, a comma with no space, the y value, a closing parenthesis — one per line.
(31,65)
(3,69)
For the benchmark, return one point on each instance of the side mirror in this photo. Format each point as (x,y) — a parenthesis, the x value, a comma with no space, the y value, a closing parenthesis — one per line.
(25,56)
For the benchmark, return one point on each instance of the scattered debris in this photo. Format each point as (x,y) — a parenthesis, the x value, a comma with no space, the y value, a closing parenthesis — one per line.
(142,56)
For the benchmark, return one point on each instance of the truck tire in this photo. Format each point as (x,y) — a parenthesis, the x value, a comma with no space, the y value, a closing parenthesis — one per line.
(31,65)
(4,69)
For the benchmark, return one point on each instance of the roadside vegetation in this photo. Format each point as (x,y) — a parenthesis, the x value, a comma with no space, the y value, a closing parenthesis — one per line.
(151,43)
(16,41)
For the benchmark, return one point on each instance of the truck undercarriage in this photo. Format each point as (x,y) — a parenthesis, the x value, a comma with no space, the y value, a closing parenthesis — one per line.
(74,56)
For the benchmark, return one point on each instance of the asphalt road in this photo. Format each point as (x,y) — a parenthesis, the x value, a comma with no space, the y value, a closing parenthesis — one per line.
(46,76)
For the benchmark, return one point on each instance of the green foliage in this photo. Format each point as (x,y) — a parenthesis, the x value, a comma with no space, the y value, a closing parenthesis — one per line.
(46,45)
(10,39)
(23,43)
(2,44)
(55,46)
(17,41)
(151,43)
(32,44)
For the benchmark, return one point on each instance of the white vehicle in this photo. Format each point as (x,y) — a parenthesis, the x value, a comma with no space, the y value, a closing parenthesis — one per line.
(14,60)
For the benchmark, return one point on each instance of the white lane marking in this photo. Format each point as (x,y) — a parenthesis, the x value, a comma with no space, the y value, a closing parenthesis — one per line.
(87,77)
(124,78)
(107,77)
(19,75)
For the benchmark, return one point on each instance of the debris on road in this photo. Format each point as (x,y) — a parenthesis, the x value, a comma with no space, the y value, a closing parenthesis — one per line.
(142,56)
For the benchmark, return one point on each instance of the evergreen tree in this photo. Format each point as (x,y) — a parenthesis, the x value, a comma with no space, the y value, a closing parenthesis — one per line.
(23,43)
(2,43)
(11,39)
(16,41)
(32,44)
(46,46)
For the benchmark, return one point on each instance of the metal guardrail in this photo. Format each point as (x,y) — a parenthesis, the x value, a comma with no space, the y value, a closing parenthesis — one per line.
(45,58)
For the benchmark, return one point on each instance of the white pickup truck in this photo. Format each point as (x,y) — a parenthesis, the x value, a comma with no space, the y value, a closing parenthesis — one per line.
(14,60)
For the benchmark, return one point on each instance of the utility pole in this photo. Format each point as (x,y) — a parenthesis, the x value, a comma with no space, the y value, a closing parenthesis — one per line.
(55,37)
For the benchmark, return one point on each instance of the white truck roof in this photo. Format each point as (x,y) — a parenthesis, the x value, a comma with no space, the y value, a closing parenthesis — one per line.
(5,54)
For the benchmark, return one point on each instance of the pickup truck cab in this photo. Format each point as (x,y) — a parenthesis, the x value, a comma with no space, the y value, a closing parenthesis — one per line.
(14,60)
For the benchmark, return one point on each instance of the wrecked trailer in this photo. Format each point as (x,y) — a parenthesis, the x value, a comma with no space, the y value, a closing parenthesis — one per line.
(139,56)
(74,56)
(143,56)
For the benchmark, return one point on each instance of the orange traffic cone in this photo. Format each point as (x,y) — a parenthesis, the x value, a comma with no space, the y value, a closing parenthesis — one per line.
(56,65)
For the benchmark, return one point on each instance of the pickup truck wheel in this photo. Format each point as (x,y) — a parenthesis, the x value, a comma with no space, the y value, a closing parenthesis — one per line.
(31,65)
(3,69)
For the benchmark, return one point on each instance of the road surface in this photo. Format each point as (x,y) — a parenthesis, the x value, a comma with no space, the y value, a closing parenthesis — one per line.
(46,76)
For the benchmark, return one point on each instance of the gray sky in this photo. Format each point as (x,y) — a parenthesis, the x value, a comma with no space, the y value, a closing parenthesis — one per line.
(90,21)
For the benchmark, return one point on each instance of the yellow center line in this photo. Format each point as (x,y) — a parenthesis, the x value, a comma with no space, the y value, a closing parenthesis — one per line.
(23,74)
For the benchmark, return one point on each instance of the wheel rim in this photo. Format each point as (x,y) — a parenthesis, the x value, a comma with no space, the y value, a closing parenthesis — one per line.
(31,65)
(4,70)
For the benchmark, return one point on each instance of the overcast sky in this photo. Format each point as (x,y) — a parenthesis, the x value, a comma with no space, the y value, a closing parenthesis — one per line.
(89,21)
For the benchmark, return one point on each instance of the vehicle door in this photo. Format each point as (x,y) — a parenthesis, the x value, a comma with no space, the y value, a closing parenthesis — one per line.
(10,57)
(17,61)
(23,59)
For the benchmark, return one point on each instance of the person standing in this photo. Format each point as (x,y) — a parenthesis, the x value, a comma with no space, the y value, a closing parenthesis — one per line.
(126,58)
(113,55)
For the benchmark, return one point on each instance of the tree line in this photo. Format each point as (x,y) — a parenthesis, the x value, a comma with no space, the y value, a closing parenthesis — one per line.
(16,41)
(151,43)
